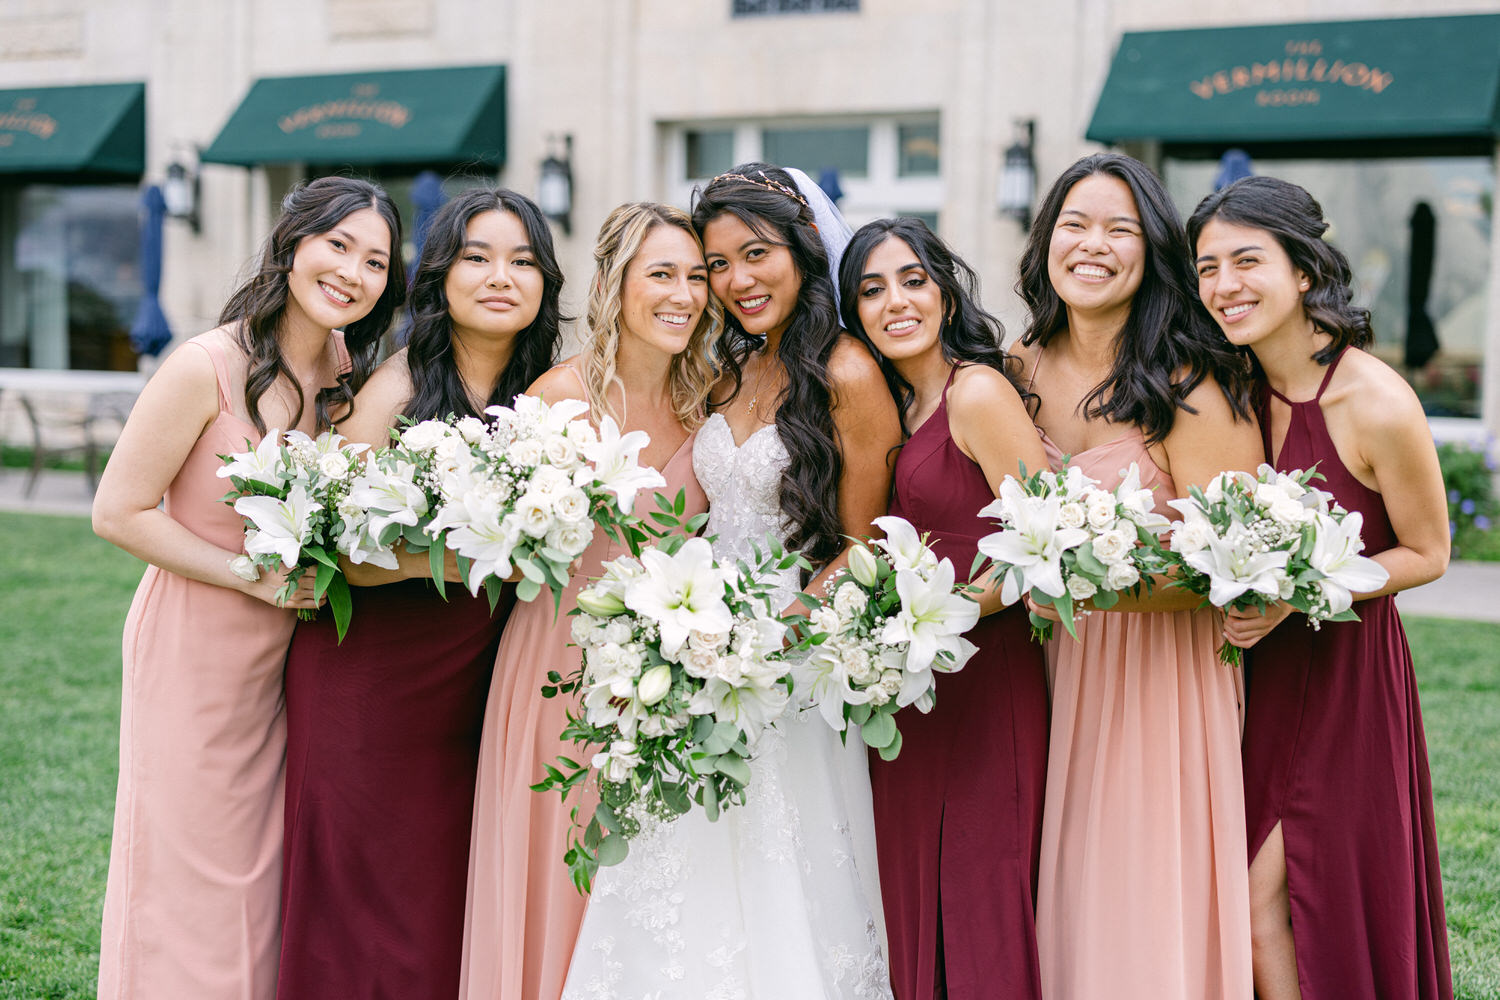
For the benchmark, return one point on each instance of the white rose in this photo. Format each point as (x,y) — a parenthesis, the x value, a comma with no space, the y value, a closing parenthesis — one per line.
(1192,536)
(615,630)
(527,452)
(1122,575)
(471,429)
(535,514)
(707,640)
(1081,588)
(700,663)
(1071,515)
(1101,510)
(581,433)
(826,619)
(1112,546)
(730,670)
(858,665)
(425,435)
(849,600)
(561,452)
(571,539)
(334,465)
(244,567)
(571,504)
(877,695)
(584,629)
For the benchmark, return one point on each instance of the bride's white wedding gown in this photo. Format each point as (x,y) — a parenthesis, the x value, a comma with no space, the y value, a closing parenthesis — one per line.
(778,899)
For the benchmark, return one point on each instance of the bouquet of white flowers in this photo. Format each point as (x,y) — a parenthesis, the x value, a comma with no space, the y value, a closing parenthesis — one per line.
(526,489)
(1248,541)
(1065,539)
(886,625)
(291,491)
(683,668)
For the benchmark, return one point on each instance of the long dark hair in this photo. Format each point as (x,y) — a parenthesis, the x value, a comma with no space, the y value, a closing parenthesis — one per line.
(1167,330)
(969,334)
(256,308)
(764,198)
(1295,219)
(437,389)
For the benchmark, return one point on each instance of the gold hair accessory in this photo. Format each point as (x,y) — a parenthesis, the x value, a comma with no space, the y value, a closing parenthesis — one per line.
(766,182)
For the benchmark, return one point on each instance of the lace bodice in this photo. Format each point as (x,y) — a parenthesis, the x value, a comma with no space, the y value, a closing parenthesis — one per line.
(743,483)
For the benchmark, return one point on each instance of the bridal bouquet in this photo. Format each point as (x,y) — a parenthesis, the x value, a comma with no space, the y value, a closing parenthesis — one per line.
(1065,539)
(291,490)
(683,667)
(885,627)
(527,487)
(1248,541)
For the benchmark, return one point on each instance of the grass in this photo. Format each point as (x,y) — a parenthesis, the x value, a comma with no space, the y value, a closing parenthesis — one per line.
(59,718)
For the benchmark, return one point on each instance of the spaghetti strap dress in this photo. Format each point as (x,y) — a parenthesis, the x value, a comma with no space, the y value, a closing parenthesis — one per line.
(958,813)
(523,910)
(192,905)
(382,748)
(1144,893)
(1334,752)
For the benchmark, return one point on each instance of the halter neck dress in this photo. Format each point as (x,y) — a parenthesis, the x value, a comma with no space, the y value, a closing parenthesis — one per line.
(1144,893)
(1334,752)
(958,814)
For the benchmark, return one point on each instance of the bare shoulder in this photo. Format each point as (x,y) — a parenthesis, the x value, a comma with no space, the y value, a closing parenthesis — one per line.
(390,385)
(851,366)
(563,380)
(1211,405)
(1375,396)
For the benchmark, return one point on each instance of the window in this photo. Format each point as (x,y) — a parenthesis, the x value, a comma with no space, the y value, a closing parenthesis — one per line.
(885,165)
(753,8)
(1371,204)
(69,275)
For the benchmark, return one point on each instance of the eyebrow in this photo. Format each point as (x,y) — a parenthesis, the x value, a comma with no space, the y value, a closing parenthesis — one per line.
(1234,253)
(349,238)
(915,265)
(482,245)
(1113,218)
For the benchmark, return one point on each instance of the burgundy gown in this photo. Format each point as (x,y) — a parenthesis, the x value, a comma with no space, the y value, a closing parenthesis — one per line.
(382,747)
(958,813)
(1334,751)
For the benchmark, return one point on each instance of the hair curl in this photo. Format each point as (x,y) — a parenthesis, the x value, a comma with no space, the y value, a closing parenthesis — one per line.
(809,489)
(1166,332)
(437,388)
(1295,219)
(968,335)
(692,372)
(257,307)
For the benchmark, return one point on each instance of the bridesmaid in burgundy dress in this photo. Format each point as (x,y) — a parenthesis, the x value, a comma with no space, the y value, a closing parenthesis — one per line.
(958,813)
(1346,894)
(383,731)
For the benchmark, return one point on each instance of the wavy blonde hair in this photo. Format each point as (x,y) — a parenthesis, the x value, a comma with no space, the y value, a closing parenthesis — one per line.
(692,372)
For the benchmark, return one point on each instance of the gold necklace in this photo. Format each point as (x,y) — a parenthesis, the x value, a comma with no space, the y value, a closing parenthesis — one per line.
(759,381)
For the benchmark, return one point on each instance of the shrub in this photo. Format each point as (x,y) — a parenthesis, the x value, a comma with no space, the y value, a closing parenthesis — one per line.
(1469,479)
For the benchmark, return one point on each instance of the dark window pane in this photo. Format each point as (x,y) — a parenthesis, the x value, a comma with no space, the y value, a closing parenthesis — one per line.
(751,8)
(814,150)
(931,218)
(919,150)
(709,152)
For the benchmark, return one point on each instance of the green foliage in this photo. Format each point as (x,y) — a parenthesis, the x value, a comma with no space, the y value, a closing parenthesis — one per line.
(1469,480)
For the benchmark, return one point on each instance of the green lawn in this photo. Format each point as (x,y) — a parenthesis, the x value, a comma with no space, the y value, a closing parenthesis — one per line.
(65,594)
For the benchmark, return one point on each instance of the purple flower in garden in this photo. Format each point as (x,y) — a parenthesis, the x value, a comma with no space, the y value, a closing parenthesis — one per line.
(1467,507)
(1453,496)
(1452,528)
(1482,523)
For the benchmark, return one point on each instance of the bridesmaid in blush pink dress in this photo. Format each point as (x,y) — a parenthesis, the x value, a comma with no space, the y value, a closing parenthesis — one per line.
(645,365)
(958,814)
(191,908)
(383,728)
(1345,887)
(1143,893)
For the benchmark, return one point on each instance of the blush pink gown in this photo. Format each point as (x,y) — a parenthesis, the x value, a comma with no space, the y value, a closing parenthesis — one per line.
(193,901)
(524,912)
(1144,892)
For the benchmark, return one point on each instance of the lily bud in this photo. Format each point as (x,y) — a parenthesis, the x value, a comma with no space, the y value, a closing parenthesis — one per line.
(862,566)
(600,604)
(654,684)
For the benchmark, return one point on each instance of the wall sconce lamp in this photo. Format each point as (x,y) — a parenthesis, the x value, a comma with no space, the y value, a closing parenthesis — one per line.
(554,190)
(181,191)
(1017,186)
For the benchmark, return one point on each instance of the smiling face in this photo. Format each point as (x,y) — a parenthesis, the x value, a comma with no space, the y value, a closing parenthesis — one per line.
(494,288)
(665,290)
(1097,254)
(900,306)
(338,276)
(757,281)
(1249,284)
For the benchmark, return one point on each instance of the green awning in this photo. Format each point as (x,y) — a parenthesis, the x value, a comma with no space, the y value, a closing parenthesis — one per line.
(1419,77)
(419,116)
(98,129)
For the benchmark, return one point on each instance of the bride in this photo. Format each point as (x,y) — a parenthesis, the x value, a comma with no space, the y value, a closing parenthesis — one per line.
(778,898)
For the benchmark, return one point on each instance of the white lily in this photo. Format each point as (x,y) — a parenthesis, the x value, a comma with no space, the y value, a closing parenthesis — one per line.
(1335,554)
(391,496)
(1034,544)
(1141,503)
(751,707)
(822,679)
(478,531)
(1234,565)
(615,458)
(281,525)
(262,464)
(932,618)
(904,545)
(681,592)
